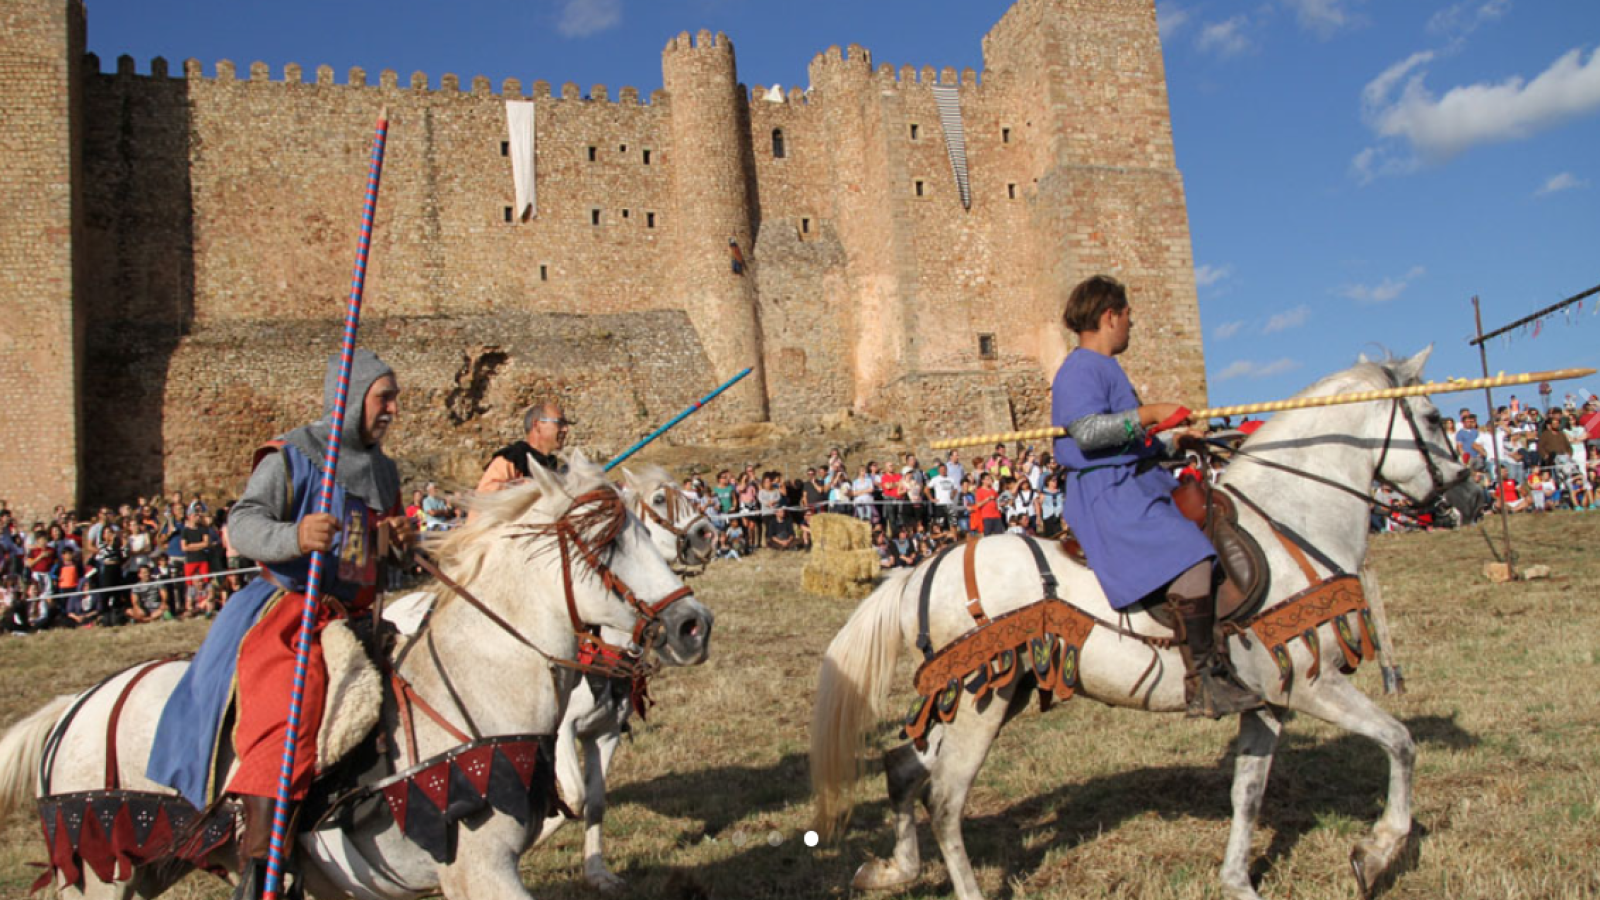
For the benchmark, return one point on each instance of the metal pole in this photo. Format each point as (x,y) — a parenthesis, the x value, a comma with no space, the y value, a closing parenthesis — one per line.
(693,408)
(1494,441)
(319,561)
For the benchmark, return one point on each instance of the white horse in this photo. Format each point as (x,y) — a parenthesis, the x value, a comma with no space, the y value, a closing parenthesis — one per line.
(493,662)
(1397,441)
(600,707)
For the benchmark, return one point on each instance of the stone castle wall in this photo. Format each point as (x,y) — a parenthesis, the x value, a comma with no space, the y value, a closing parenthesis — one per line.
(218,206)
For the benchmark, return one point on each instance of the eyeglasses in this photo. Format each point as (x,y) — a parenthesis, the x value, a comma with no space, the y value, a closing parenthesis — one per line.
(559,423)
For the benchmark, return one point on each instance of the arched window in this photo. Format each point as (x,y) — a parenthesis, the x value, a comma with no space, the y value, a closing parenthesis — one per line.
(778,151)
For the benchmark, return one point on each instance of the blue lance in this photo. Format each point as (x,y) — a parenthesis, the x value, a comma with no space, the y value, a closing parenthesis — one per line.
(694,408)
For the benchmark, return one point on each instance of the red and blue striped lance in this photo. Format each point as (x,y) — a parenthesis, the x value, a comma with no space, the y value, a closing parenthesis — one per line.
(330,463)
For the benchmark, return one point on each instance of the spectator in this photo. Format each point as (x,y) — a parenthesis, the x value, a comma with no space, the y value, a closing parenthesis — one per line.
(985,510)
(861,493)
(780,531)
(44,611)
(943,488)
(1050,506)
(197,545)
(149,600)
(13,607)
(436,511)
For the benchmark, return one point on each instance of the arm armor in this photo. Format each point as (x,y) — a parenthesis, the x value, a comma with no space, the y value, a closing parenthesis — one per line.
(1104,431)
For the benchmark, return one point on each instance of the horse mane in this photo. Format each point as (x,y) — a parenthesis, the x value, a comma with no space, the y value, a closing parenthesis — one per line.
(646,476)
(463,549)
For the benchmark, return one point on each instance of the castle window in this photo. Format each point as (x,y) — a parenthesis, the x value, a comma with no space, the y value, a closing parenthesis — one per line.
(805,226)
(1011,191)
(593,154)
(544,273)
(623,149)
(594,217)
(915,132)
(917,186)
(624,214)
(508,213)
(649,220)
(1005,135)
(986,347)
(778,150)
(505,148)
(647,156)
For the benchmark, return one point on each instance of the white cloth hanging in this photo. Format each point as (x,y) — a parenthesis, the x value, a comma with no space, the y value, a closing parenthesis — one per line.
(519,122)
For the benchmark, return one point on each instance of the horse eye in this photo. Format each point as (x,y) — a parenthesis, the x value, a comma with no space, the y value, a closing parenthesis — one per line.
(661,497)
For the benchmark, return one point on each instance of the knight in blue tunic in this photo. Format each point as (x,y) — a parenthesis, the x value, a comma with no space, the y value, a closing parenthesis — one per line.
(1118,501)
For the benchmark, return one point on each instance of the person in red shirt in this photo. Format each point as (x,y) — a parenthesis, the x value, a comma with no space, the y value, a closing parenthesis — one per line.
(41,561)
(893,495)
(1508,496)
(985,511)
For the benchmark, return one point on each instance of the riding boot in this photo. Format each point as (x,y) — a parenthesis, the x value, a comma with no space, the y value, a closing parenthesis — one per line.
(255,844)
(1210,687)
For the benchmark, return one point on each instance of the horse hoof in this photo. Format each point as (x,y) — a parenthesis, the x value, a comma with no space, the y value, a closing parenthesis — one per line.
(606,883)
(879,875)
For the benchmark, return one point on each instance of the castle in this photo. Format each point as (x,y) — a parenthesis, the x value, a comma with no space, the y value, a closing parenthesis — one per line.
(177,244)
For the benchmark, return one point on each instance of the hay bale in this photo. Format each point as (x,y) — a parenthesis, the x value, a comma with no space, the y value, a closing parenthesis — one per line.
(831,531)
(850,574)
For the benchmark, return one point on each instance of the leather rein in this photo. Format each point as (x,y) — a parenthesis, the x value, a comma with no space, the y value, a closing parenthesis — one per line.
(676,504)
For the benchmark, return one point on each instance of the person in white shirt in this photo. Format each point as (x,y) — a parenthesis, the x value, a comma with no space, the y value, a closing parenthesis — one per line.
(861,492)
(943,488)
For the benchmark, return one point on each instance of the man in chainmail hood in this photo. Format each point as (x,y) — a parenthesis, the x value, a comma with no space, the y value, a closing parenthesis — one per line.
(251,644)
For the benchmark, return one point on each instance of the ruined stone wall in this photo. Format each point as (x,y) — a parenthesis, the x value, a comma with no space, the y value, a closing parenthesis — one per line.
(219,206)
(40,254)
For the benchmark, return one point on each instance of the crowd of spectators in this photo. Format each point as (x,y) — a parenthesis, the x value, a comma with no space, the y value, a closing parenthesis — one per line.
(1528,460)
(159,558)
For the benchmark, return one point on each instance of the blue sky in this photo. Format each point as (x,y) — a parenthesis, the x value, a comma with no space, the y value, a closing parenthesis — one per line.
(1357,170)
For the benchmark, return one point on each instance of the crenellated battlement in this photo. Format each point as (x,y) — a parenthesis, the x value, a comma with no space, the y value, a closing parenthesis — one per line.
(703,41)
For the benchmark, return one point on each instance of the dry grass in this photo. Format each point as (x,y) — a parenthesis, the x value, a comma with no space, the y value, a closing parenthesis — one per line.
(1086,801)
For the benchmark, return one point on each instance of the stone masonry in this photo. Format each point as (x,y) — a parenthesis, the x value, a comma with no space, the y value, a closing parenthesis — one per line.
(178,244)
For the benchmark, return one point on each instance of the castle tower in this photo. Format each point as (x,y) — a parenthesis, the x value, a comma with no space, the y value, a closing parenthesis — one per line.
(41,329)
(711,178)
(1088,79)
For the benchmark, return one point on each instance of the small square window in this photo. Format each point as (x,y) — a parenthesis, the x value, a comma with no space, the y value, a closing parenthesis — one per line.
(918,188)
(1005,135)
(647,157)
(508,213)
(594,154)
(594,217)
(649,220)
(505,148)
(986,347)
(916,132)
(1011,191)
(805,226)
(544,273)
(624,214)
(623,149)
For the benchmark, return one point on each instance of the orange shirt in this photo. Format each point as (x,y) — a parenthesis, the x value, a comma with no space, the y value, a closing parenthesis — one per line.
(983,507)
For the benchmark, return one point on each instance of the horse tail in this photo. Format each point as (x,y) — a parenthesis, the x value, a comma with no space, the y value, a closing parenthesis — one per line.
(21,751)
(851,693)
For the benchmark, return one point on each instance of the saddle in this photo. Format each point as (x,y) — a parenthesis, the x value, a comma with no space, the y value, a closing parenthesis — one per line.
(1245,577)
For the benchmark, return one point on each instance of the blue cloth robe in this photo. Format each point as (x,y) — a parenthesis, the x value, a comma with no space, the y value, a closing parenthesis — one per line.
(1132,533)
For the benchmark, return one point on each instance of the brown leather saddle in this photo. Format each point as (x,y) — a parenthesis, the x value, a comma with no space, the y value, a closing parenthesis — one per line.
(1244,564)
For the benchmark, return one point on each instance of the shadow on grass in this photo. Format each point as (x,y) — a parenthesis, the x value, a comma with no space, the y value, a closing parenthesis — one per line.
(1313,783)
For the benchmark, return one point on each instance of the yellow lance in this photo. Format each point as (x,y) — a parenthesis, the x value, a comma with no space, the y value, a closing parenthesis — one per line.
(1244,409)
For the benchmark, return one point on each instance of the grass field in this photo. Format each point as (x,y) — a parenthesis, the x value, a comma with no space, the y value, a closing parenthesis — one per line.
(710,798)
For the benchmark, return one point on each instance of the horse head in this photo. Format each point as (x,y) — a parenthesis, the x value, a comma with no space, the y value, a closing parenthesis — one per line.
(568,544)
(1416,456)
(681,531)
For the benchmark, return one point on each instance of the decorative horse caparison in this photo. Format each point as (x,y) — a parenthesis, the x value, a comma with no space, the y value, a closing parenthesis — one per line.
(1399,442)
(537,556)
(600,708)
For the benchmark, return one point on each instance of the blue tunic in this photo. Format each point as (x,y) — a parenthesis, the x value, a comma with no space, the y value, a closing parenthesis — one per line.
(1132,533)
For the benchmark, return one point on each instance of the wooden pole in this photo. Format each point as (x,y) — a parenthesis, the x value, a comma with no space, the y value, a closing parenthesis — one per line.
(1217,412)
(1494,441)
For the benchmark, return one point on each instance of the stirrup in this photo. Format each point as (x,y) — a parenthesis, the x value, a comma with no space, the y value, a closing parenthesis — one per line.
(1216,694)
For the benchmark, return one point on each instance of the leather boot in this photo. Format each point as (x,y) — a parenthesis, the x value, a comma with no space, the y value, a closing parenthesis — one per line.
(1209,686)
(255,845)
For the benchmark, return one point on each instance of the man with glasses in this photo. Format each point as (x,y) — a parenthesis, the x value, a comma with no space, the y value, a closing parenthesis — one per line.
(545,426)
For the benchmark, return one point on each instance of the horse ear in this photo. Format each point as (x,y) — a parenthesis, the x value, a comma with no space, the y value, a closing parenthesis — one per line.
(1410,370)
(1362,358)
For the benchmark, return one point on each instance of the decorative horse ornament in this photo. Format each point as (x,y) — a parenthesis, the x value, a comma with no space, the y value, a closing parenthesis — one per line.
(487,675)
(600,707)
(1084,649)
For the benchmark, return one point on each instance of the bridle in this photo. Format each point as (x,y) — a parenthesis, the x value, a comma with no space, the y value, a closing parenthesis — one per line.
(677,503)
(601,515)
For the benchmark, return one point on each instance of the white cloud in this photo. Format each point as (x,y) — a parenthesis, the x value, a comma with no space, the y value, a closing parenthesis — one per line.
(1245,368)
(1325,18)
(1170,19)
(1208,275)
(1438,128)
(1565,181)
(1227,329)
(581,18)
(1224,38)
(1458,21)
(1288,319)
(1385,290)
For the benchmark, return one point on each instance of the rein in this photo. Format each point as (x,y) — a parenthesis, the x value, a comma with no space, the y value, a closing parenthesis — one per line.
(676,502)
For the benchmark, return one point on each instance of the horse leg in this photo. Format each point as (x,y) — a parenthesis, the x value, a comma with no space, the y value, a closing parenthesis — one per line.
(908,779)
(1258,739)
(959,756)
(569,775)
(597,759)
(1336,701)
